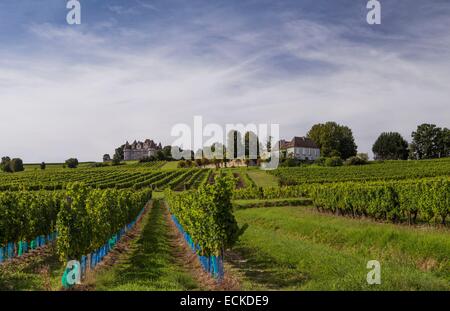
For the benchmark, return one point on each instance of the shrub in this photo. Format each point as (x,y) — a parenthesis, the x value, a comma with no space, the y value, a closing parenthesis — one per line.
(116,159)
(333,161)
(289,162)
(72,163)
(355,161)
(147,159)
(320,161)
(98,164)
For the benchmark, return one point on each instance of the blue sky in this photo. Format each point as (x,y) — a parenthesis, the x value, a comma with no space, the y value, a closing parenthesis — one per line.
(134,68)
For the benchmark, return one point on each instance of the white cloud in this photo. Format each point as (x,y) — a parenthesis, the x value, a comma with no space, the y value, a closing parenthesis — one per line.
(55,105)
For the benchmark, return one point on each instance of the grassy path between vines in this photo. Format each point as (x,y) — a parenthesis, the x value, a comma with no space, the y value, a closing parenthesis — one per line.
(150,264)
(262,178)
(297,248)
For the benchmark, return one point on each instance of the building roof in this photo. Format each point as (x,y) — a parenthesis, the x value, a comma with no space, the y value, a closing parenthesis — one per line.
(147,144)
(298,142)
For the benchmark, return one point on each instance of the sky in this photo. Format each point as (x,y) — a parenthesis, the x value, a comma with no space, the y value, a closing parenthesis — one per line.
(135,68)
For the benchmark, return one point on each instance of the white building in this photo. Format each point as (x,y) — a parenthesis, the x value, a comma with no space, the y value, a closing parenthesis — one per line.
(300,148)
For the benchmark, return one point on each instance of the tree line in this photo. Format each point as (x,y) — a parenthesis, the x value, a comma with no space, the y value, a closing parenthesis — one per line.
(428,142)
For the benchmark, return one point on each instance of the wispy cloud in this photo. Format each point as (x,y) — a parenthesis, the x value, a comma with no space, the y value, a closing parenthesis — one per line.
(131,8)
(83,91)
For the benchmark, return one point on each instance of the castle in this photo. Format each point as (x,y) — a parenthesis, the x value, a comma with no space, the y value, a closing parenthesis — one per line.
(139,150)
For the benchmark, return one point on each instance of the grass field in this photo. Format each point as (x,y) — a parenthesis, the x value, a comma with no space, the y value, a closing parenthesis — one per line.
(262,178)
(170,165)
(296,248)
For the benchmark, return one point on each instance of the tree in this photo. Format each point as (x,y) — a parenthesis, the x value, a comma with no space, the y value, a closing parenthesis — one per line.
(235,147)
(390,146)
(160,155)
(6,164)
(11,166)
(251,143)
(205,161)
(333,140)
(445,142)
(106,157)
(198,162)
(427,141)
(119,152)
(72,163)
(167,151)
(355,161)
(16,165)
(116,159)
(43,166)
(269,144)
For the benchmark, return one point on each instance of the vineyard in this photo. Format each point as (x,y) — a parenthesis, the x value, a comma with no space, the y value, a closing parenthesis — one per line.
(206,220)
(389,170)
(120,177)
(83,214)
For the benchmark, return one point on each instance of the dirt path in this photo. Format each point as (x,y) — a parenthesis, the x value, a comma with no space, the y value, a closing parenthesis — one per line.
(188,260)
(114,257)
(148,261)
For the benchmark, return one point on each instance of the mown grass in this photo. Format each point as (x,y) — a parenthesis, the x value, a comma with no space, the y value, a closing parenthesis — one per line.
(296,248)
(170,165)
(262,178)
(256,203)
(150,266)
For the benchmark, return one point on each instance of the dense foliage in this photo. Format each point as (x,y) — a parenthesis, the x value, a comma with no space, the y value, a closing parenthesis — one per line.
(72,163)
(430,141)
(25,215)
(389,170)
(207,215)
(89,217)
(84,217)
(333,140)
(11,166)
(427,200)
(390,146)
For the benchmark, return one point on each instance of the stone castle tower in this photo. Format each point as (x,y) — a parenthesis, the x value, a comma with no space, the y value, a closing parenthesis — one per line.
(138,150)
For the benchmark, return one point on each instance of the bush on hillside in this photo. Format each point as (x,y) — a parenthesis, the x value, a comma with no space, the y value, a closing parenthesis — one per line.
(72,163)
